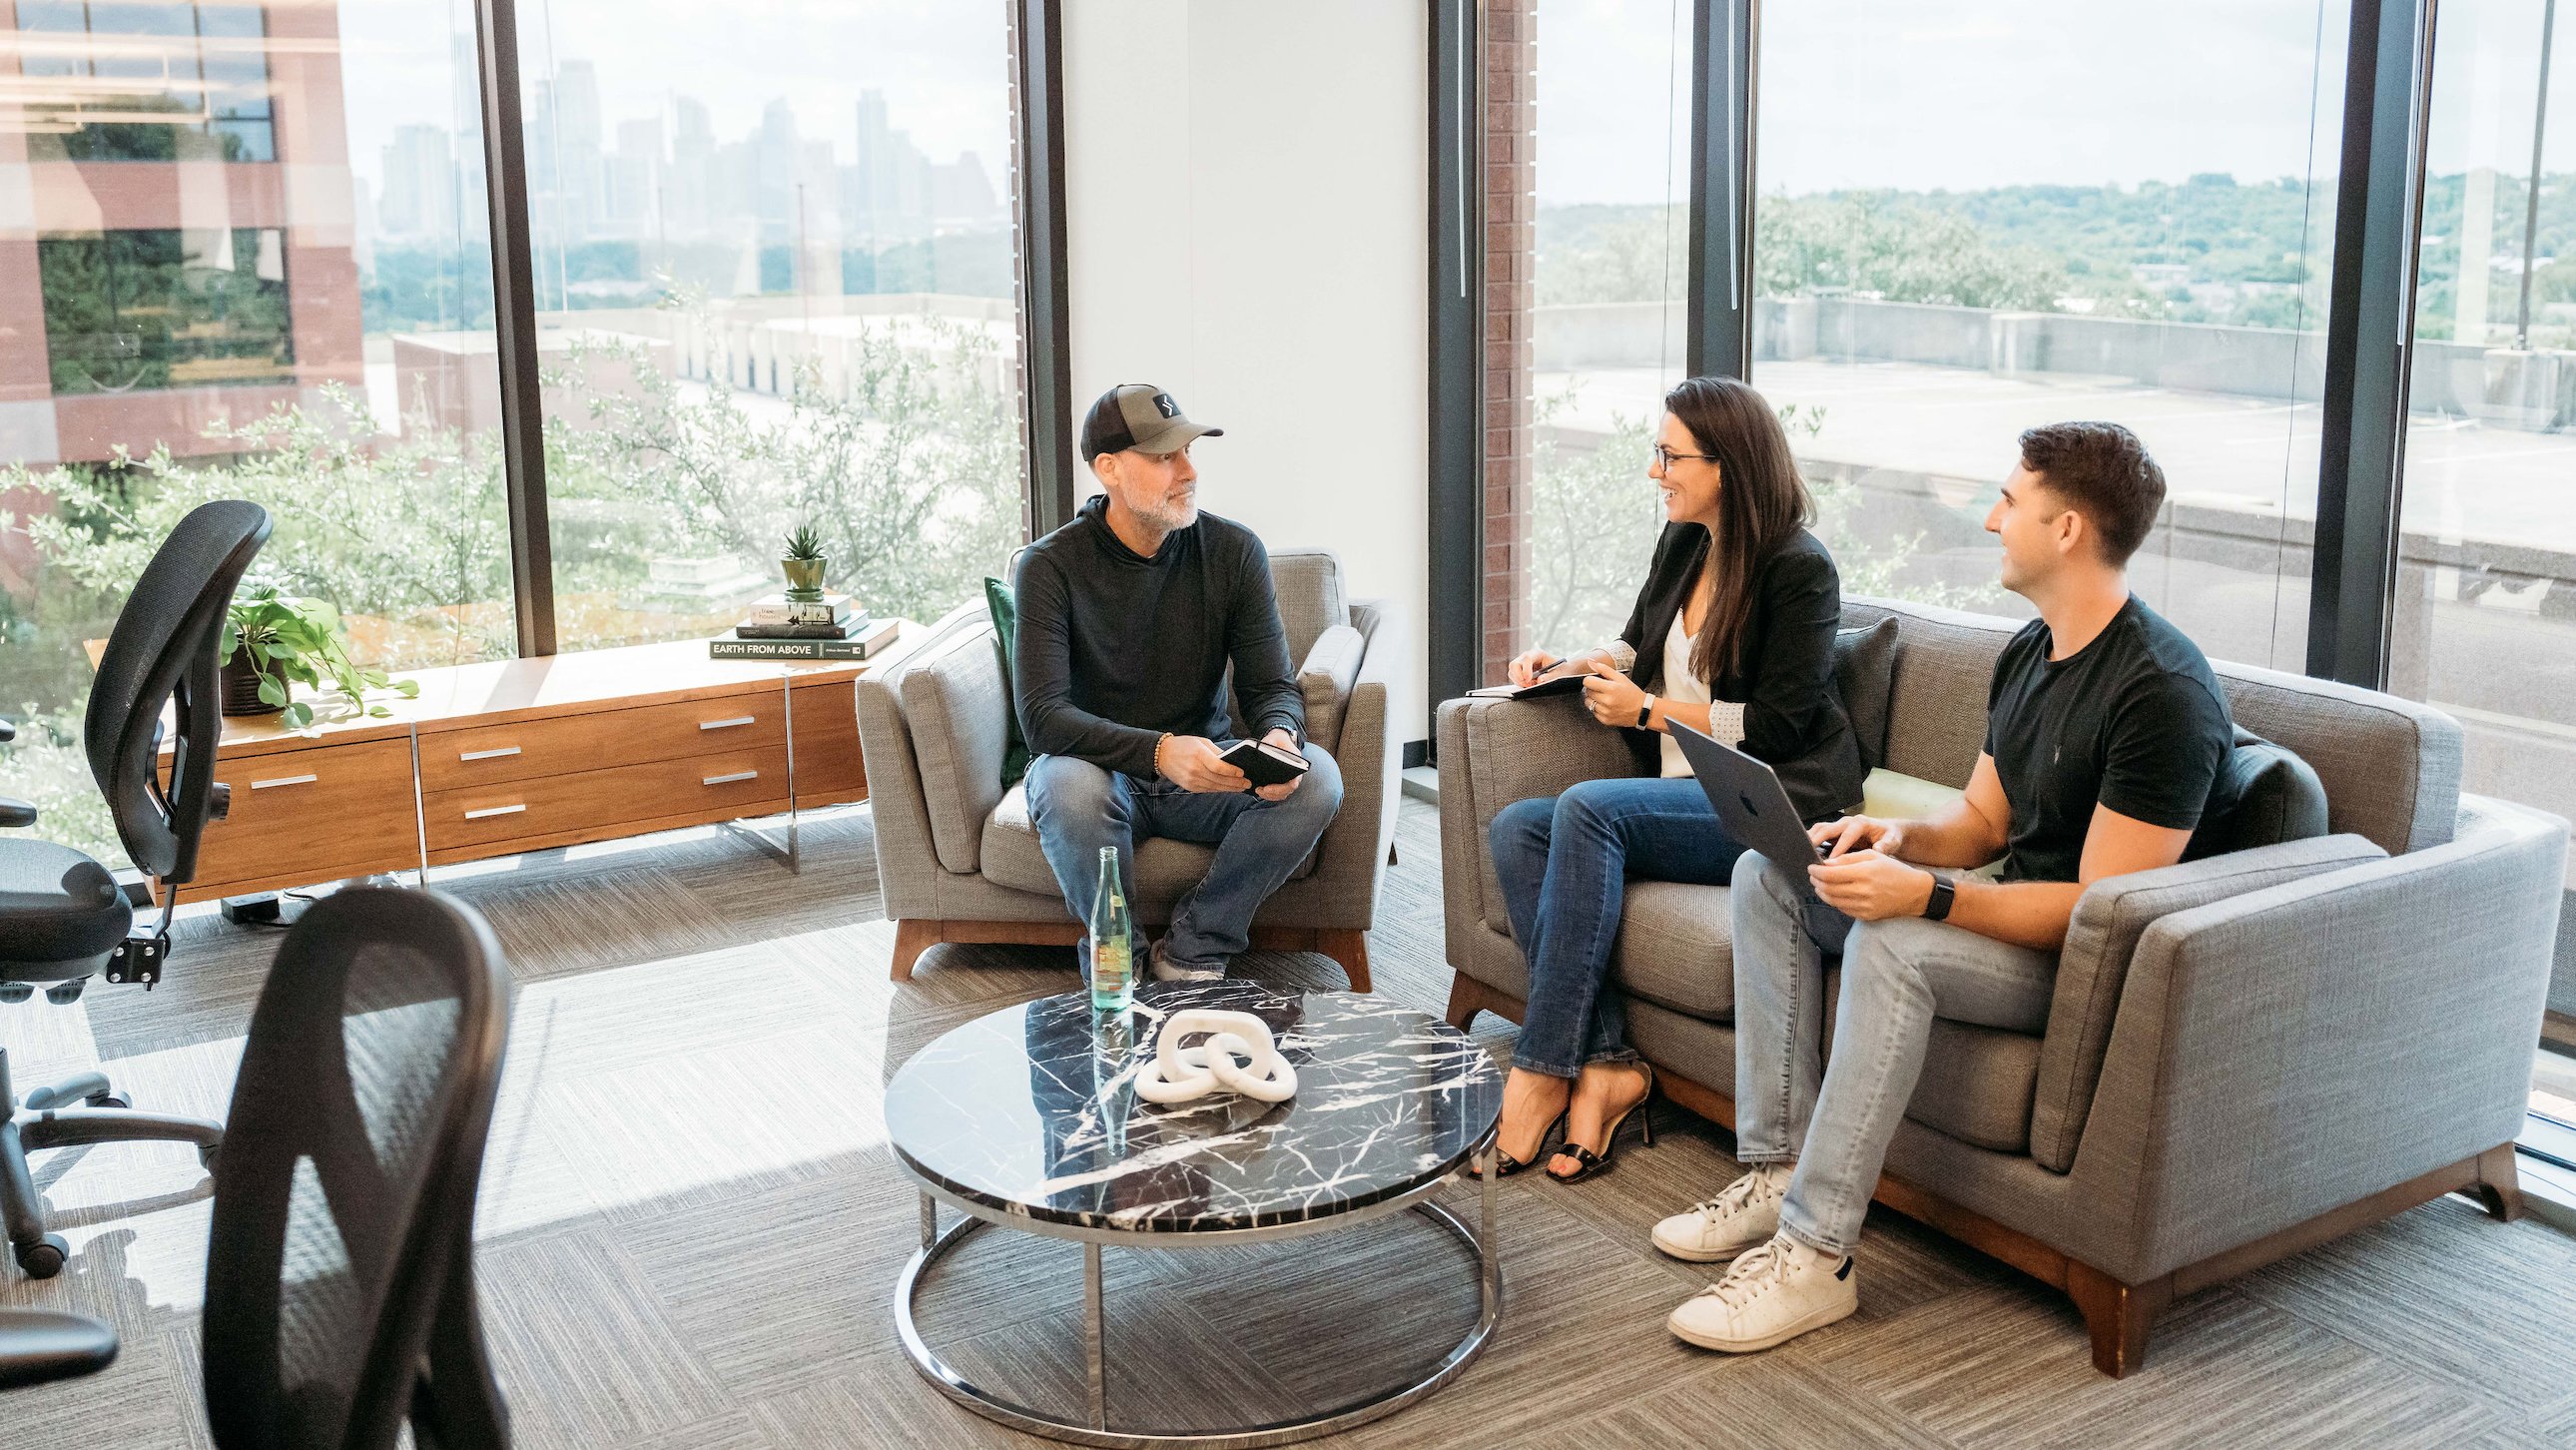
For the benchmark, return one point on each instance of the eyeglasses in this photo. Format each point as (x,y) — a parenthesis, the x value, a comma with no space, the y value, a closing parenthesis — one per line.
(1664,456)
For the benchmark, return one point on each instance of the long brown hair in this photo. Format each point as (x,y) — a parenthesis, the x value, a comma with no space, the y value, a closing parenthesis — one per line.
(1762,503)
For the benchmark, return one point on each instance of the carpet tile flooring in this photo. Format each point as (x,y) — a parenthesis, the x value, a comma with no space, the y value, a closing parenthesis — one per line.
(691,1226)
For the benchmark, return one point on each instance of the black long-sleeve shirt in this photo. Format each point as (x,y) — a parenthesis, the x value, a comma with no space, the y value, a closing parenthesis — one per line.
(1793,712)
(1114,649)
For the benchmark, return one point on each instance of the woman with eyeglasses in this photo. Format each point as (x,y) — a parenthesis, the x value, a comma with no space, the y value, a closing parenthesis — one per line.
(1732,635)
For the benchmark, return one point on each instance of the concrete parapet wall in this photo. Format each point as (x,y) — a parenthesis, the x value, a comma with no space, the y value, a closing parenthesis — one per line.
(2528,391)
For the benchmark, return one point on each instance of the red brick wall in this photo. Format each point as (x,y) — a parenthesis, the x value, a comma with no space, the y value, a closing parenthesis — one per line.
(315,211)
(1511,233)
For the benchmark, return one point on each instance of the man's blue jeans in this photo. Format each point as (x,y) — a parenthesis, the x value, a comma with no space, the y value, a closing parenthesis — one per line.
(1564,862)
(1898,974)
(1079,808)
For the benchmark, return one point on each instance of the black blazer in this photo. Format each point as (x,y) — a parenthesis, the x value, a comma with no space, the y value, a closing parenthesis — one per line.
(1793,712)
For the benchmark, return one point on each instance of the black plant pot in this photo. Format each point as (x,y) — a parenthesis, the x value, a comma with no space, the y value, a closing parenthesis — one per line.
(241,689)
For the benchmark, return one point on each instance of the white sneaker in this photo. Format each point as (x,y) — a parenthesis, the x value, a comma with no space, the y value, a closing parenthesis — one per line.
(1167,970)
(1777,1291)
(1743,1214)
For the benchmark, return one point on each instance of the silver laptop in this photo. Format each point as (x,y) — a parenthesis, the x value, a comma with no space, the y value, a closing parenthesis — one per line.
(1750,803)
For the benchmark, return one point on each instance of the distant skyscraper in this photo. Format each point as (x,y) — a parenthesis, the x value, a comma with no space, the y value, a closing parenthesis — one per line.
(567,173)
(960,192)
(420,200)
(635,179)
(888,180)
(686,195)
(779,158)
(473,206)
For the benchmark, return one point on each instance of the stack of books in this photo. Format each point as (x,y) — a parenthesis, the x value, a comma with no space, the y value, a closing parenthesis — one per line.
(829,628)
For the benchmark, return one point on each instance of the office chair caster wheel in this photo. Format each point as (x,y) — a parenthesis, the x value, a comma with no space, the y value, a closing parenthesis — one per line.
(63,994)
(14,993)
(44,1258)
(107,1100)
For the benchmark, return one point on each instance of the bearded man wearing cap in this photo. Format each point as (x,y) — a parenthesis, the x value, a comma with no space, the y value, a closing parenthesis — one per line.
(1128,618)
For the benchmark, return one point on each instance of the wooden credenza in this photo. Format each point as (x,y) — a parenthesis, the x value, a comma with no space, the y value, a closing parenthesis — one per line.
(520,755)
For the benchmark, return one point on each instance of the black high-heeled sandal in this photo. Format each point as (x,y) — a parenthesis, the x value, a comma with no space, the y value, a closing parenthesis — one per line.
(1597,1163)
(1505,1165)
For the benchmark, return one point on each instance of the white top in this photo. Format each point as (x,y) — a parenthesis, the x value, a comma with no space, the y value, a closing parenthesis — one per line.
(1683,684)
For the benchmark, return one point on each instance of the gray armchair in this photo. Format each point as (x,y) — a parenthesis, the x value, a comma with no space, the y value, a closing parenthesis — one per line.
(2246,1055)
(958,859)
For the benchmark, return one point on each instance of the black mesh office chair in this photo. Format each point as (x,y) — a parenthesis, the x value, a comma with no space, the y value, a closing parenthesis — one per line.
(38,1345)
(339,1270)
(62,918)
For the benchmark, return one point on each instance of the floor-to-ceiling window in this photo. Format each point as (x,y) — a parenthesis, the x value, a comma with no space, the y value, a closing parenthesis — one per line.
(245,257)
(1976,218)
(2484,623)
(1588,274)
(773,266)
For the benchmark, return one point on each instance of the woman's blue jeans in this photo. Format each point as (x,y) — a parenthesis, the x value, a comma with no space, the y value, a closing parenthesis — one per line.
(1564,862)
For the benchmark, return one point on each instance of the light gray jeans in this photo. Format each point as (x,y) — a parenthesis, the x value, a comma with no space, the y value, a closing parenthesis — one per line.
(1898,975)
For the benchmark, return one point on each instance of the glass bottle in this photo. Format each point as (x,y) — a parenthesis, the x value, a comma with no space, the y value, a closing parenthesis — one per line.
(1113,956)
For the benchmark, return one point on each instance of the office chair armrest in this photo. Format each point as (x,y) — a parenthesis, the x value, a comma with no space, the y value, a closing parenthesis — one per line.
(37,1346)
(14,812)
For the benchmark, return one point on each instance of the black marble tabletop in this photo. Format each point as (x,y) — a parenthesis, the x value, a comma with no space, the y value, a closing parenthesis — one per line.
(1033,1110)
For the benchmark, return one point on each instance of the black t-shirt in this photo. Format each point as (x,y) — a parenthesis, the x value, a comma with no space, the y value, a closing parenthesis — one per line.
(2134,721)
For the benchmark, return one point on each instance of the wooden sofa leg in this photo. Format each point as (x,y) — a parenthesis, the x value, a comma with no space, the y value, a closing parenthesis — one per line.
(1466,999)
(911,939)
(1350,948)
(2118,1315)
(2500,1183)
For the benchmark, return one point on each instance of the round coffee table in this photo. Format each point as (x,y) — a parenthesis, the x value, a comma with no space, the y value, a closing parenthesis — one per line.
(1028,1118)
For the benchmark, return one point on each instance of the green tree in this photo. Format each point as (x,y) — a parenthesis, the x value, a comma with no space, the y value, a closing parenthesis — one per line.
(1594,521)
(1611,254)
(909,472)
(406,531)
(1875,243)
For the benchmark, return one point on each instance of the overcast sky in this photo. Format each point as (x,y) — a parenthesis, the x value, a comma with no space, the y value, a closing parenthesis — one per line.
(1917,94)
(1967,94)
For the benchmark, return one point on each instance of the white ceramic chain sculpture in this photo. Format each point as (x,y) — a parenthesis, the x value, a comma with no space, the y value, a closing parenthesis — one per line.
(1184,1074)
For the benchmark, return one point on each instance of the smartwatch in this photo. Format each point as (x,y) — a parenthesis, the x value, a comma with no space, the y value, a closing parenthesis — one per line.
(1943,893)
(1646,713)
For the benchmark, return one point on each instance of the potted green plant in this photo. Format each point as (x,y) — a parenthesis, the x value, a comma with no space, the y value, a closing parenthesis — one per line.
(804,565)
(273,642)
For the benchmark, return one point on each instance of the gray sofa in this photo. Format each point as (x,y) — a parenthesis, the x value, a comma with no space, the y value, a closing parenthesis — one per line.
(2246,1055)
(958,859)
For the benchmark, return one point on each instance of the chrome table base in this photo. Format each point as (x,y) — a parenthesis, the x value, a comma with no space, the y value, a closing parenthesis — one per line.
(1095,1429)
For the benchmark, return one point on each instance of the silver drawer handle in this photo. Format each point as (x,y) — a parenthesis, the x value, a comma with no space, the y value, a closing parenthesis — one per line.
(730,779)
(284,780)
(728,724)
(495,811)
(487,754)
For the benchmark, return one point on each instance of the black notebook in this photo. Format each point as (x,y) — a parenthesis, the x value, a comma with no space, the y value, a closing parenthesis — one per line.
(1550,683)
(1264,764)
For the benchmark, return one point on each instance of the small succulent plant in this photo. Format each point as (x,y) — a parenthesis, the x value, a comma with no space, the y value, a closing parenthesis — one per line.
(804,545)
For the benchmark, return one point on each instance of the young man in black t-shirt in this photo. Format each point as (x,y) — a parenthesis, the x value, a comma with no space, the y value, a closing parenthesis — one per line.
(2105,735)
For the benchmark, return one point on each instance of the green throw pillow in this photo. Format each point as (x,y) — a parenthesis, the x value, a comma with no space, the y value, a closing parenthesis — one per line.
(1006,621)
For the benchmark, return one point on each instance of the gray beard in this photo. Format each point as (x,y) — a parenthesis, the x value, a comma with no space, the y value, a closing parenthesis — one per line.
(1168,519)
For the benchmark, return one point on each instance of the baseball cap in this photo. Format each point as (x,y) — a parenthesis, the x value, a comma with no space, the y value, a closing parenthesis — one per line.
(1138,415)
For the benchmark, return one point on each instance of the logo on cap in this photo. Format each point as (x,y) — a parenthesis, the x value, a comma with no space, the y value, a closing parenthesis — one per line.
(1163,404)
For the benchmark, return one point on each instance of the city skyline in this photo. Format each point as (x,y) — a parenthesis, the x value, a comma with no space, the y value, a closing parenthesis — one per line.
(667,177)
